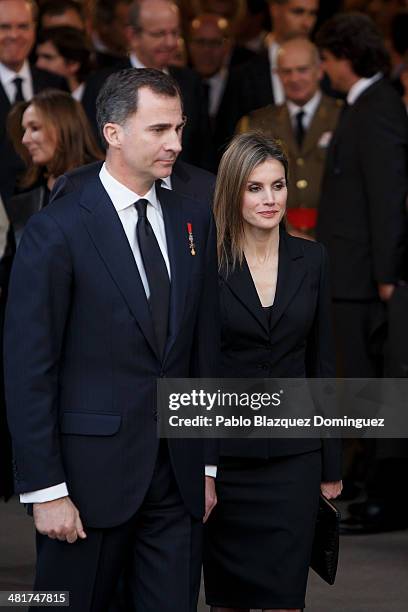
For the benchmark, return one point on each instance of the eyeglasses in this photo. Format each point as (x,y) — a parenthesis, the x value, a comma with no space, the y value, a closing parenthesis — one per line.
(161,34)
(209,43)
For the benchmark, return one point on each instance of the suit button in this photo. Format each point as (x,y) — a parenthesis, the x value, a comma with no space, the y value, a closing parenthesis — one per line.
(155,415)
(162,375)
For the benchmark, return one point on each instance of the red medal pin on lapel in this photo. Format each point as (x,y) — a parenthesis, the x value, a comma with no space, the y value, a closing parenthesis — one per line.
(191,238)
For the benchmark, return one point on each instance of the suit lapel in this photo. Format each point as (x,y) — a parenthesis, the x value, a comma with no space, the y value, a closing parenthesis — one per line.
(4,109)
(242,285)
(179,178)
(291,272)
(109,238)
(4,102)
(314,131)
(287,129)
(176,218)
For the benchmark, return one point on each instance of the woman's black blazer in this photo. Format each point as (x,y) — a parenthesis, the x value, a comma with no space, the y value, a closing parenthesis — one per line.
(297,342)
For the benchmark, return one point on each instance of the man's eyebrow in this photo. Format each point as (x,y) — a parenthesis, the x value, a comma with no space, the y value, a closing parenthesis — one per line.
(166,126)
(160,125)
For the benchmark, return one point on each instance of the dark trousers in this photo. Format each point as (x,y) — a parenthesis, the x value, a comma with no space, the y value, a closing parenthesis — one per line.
(160,547)
(360,329)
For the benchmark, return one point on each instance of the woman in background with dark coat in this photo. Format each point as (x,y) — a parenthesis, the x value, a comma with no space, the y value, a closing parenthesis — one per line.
(52,135)
(275,313)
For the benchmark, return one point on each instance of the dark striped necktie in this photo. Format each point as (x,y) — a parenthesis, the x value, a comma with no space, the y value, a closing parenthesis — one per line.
(156,273)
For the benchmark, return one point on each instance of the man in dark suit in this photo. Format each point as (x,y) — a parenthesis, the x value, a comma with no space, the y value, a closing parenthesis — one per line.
(362,218)
(257,83)
(211,51)
(110,21)
(18,80)
(154,32)
(124,301)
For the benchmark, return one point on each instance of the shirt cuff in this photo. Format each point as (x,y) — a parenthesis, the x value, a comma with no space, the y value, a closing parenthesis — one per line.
(45,495)
(211,470)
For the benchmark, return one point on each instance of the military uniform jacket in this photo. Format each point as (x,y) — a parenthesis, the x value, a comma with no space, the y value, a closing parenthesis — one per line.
(306,163)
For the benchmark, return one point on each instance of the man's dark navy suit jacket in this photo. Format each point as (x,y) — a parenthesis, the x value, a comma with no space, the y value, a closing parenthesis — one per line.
(81,362)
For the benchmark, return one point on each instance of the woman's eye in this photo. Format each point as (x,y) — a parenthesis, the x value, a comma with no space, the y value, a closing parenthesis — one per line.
(254,188)
(279,186)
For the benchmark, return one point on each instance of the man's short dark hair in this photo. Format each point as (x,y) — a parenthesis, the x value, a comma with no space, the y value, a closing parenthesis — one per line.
(355,37)
(118,98)
(104,11)
(72,44)
(59,7)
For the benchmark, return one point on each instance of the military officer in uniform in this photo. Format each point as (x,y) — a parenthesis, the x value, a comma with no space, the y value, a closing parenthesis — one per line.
(305,123)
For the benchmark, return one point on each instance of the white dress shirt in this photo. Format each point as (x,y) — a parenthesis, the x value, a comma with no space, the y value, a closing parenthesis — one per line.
(217,86)
(123,200)
(309,110)
(78,92)
(4,227)
(278,93)
(136,63)
(7,77)
(358,88)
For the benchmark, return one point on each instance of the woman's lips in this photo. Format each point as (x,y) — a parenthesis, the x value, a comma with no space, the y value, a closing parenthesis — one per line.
(268,213)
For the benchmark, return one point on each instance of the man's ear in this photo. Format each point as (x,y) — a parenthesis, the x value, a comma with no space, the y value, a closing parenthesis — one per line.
(73,67)
(130,36)
(113,135)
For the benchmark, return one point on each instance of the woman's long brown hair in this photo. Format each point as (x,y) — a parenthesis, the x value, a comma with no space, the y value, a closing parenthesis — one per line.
(65,120)
(244,153)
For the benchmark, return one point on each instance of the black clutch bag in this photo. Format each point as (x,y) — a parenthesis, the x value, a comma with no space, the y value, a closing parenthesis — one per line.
(325,552)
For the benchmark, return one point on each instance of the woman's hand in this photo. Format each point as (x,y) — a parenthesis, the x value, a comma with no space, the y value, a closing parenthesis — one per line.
(331,490)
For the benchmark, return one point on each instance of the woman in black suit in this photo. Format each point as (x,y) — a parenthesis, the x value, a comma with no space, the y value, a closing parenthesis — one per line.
(275,323)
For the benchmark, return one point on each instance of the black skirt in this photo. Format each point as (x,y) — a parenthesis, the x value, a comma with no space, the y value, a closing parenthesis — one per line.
(259,537)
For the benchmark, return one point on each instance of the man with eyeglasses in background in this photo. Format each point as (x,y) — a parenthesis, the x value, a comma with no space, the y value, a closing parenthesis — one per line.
(153,36)
(210,46)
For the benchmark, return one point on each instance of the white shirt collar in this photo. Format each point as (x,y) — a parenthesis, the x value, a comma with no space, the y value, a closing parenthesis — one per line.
(217,85)
(277,88)
(360,86)
(166,182)
(273,49)
(309,108)
(98,45)
(135,61)
(122,197)
(7,75)
(78,92)
(218,77)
